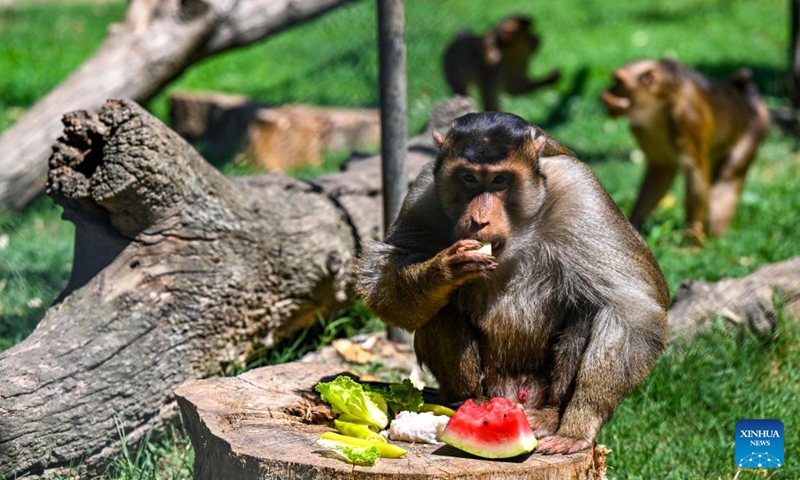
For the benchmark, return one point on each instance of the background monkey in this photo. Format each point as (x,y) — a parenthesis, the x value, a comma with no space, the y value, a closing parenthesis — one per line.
(566,316)
(681,120)
(495,62)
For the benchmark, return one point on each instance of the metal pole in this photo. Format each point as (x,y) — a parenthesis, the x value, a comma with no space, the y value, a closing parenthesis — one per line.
(394,128)
(794,54)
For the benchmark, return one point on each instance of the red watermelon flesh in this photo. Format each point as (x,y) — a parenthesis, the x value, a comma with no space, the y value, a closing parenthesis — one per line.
(496,429)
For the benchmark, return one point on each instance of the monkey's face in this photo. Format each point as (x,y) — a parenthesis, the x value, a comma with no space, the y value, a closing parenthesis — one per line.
(487,179)
(489,202)
(474,198)
(637,87)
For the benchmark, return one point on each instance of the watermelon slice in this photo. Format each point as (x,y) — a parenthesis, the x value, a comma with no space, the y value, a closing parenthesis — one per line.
(496,429)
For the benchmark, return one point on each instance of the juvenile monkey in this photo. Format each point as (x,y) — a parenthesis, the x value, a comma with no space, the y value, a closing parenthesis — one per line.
(566,315)
(495,62)
(710,130)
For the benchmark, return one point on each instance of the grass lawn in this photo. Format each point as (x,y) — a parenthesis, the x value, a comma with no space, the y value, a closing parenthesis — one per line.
(680,423)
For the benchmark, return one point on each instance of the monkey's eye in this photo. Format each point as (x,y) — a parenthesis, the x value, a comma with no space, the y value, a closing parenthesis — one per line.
(499,180)
(469,178)
(647,78)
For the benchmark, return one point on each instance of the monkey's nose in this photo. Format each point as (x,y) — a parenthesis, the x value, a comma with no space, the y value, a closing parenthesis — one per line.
(476,224)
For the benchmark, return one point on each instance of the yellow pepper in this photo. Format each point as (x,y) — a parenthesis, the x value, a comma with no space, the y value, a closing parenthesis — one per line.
(387,450)
(358,431)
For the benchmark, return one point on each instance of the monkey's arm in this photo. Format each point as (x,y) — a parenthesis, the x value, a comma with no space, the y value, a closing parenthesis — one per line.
(403,290)
(410,276)
(624,345)
(522,85)
(657,180)
(694,142)
(620,298)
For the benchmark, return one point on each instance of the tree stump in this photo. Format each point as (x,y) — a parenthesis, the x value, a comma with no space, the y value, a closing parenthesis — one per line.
(291,136)
(276,138)
(264,423)
(218,122)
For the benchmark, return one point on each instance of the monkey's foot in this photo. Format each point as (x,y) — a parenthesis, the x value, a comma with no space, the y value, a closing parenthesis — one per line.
(557,444)
(543,422)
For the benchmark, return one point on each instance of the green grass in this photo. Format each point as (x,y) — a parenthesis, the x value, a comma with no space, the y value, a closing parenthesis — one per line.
(164,454)
(680,423)
(41,44)
(35,261)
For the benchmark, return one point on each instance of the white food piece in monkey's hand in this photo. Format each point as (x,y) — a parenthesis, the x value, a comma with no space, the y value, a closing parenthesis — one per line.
(486,247)
(423,427)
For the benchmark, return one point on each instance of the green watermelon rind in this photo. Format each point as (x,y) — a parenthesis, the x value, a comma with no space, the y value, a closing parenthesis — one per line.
(526,444)
(463,436)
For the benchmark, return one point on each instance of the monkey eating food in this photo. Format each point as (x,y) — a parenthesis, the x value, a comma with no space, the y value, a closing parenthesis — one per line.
(495,62)
(710,130)
(568,313)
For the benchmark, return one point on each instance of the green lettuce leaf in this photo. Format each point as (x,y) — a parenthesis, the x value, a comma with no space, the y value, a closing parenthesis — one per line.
(346,396)
(401,397)
(365,456)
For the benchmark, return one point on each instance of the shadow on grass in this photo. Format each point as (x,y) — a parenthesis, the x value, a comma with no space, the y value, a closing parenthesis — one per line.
(560,112)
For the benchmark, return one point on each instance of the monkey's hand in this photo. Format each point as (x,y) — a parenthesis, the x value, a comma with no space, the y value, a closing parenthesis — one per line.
(557,444)
(460,265)
(553,76)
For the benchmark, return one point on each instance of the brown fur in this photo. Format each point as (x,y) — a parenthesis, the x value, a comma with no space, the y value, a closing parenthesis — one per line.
(569,313)
(683,121)
(495,62)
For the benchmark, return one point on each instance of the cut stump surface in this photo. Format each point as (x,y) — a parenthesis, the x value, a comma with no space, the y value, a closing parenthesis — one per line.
(263,425)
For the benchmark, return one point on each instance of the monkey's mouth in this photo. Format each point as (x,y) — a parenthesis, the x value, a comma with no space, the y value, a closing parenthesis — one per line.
(615,104)
(497,248)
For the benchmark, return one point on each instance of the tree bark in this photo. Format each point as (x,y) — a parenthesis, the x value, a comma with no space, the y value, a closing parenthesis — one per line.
(154,44)
(177,272)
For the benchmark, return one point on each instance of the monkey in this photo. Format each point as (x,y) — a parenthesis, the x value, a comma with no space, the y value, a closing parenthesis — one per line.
(709,130)
(495,62)
(566,316)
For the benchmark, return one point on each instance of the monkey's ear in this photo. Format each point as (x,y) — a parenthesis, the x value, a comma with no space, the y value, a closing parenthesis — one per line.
(507,29)
(536,143)
(648,77)
(438,138)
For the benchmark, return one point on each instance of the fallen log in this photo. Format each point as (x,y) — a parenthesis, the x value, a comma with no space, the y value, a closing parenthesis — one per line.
(177,272)
(152,46)
(263,425)
(751,302)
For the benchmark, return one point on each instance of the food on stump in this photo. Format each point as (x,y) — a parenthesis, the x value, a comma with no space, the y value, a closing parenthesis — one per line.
(357,430)
(387,450)
(417,427)
(437,409)
(366,456)
(346,396)
(496,429)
